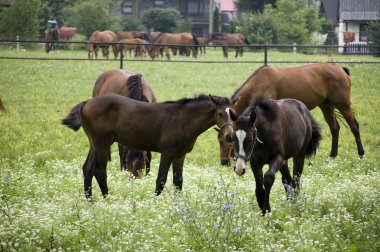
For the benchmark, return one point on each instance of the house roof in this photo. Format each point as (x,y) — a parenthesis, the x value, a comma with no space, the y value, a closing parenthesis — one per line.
(331,9)
(359,10)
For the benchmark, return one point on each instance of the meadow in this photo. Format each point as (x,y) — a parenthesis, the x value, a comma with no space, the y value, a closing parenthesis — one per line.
(43,208)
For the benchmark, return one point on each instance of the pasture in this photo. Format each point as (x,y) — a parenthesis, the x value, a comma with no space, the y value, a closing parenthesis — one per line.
(42,205)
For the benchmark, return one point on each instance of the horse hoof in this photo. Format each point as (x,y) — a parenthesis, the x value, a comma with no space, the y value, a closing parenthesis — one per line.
(329,159)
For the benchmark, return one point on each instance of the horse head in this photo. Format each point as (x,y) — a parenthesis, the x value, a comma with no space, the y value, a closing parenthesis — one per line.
(244,141)
(135,162)
(224,116)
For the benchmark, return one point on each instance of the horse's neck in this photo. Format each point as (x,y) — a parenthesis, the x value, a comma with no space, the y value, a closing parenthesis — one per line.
(200,117)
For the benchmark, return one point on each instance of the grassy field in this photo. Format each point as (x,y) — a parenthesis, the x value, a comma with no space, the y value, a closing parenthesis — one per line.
(42,206)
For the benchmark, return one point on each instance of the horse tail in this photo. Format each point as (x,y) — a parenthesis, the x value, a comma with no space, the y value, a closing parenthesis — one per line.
(346,70)
(74,119)
(196,42)
(316,137)
(135,89)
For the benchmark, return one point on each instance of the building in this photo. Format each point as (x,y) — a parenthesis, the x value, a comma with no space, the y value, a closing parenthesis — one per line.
(350,19)
(199,11)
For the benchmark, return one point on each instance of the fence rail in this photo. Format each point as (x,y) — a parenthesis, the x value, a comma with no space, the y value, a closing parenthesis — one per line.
(350,49)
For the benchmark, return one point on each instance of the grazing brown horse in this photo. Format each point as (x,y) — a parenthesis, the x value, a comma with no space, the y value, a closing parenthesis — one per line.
(229,40)
(102,39)
(136,44)
(51,39)
(271,132)
(170,128)
(178,41)
(136,87)
(323,85)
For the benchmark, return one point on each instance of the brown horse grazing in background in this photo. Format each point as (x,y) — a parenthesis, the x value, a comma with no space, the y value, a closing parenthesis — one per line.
(102,39)
(323,85)
(133,44)
(170,128)
(135,87)
(271,132)
(51,39)
(229,40)
(178,40)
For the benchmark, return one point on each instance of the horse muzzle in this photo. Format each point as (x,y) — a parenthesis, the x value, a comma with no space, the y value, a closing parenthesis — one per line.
(240,167)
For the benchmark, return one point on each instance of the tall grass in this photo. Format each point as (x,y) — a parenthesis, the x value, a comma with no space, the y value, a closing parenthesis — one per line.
(42,206)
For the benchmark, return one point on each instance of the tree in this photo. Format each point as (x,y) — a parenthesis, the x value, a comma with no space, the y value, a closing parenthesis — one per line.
(292,21)
(216,20)
(89,16)
(22,18)
(253,5)
(159,19)
(374,36)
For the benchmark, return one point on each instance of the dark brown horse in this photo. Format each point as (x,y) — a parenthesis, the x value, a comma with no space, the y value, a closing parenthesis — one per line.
(271,132)
(323,85)
(51,39)
(229,40)
(170,128)
(135,87)
(177,41)
(102,39)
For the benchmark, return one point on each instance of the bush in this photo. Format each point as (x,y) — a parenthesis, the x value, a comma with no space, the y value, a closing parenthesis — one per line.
(163,20)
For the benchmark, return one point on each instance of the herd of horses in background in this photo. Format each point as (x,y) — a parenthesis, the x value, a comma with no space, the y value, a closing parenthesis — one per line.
(266,121)
(154,44)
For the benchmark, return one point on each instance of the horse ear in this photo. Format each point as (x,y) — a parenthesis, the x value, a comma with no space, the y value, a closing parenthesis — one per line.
(235,101)
(233,115)
(217,130)
(252,117)
(213,99)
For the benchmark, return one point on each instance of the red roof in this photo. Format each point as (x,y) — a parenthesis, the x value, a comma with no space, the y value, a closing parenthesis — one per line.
(227,5)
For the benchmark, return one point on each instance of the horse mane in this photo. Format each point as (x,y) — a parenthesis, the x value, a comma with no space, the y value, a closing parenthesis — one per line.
(134,88)
(269,107)
(252,75)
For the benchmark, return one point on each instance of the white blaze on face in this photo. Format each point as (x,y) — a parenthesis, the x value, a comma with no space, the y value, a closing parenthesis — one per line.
(240,163)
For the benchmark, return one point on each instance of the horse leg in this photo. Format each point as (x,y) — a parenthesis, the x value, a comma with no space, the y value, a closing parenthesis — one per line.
(96,49)
(225,52)
(286,177)
(165,162)
(149,159)
(328,113)
(88,174)
(298,164)
(354,126)
(178,171)
(260,191)
(268,181)
(123,155)
(166,50)
(100,172)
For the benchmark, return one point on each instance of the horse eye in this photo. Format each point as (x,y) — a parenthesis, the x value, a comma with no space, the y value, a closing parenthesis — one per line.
(220,114)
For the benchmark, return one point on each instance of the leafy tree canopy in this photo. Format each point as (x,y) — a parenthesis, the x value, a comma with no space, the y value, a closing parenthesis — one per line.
(22,18)
(253,5)
(89,16)
(163,20)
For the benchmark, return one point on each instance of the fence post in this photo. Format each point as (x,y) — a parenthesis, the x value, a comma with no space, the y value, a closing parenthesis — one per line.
(294,48)
(18,43)
(121,55)
(265,55)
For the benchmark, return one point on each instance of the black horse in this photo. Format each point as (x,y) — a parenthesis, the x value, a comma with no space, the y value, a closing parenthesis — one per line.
(271,132)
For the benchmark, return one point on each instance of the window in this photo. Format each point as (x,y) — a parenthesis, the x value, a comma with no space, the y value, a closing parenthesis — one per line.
(363,33)
(126,7)
(159,3)
(195,7)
